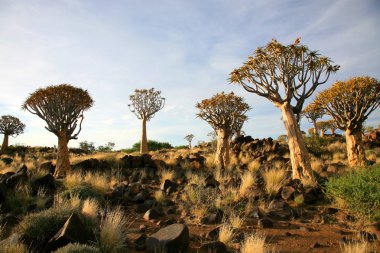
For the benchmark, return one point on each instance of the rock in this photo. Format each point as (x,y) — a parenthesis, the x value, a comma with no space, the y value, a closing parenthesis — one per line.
(214,218)
(213,234)
(3,193)
(287,192)
(45,183)
(7,160)
(171,239)
(304,229)
(138,239)
(140,197)
(92,165)
(265,223)
(142,228)
(47,166)
(73,231)
(142,208)
(169,186)
(214,247)
(315,245)
(153,214)
(374,229)
(335,168)
(19,176)
(210,181)
(331,210)
(134,188)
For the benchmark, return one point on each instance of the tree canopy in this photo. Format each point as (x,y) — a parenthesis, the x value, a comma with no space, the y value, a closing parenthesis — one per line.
(146,103)
(11,126)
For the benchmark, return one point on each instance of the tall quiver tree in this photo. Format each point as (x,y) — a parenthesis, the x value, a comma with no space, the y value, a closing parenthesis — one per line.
(287,76)
(9,126)
(350,103)
(145,104)
(313,113)
(189,139)
(61,107)
(223,111)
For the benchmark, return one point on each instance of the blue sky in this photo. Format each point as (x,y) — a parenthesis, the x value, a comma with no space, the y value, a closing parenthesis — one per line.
(186,49)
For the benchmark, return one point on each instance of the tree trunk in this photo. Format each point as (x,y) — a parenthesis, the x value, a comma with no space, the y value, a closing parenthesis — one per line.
(355,151)
(5,144)
(322,133)
(222,156)
(63,159)
(144,140)
(299,156)
(316,130)
(189,144)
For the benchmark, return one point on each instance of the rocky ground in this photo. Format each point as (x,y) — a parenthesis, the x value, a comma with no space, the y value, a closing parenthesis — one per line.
(177,202)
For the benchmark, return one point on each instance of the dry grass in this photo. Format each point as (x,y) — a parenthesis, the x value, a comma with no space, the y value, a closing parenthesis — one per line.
(195,178)
(113,231)
(253,165)
(159,196)
(210,161)
(226,234)
(73,179)
(229,196)
(358,247)
(339,157)
(337,147)
(255,243)
(90,208)
(307,182)
(167,175)
(13,248)
(273,181)
(236,221)
(99,181)
(247,181)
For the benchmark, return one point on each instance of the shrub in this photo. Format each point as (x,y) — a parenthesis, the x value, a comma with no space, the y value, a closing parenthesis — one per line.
(273,181)
(83,192)
(254,243)
(113,231)
(9,247)
(153,145)
(358,191)
(226,234)
(77,248)
(38,228)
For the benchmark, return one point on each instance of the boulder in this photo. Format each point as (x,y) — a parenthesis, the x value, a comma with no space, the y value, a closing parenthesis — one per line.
(47,166)
(169,186)
(153,214)
(287,192)
(210,181)
(72,231)
(19,176)
(46,183)
(3,193)
(265,223)
(171,239)
(92,165)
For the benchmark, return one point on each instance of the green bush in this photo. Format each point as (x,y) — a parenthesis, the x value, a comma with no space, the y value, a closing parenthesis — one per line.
(77,248)
(358,191)
(153,145)
(37,229)
(83,192)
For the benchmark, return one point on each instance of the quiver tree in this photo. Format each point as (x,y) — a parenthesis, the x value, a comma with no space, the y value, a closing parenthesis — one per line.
(323,126)
(223,111)
(237,131)
(312,113)
(10,126)
(61,107)
(350,103)
(189,139)
(287,76)
(145,104)
(332,126)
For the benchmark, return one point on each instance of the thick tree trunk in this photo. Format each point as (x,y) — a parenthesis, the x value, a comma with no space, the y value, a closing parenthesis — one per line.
(316,130)
(5,144)
(144,140)
(222,156)
(332,130)
(322,133)
(355,151)
(299,156)
(63,159)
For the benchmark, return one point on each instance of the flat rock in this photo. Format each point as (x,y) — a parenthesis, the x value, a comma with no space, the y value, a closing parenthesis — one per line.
(214,247)
(171,239)
(153,213)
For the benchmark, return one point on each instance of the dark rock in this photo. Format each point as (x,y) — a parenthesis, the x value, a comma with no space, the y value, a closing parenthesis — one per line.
(91,165)
(315,245)
(214,247)
(214,218)
(287,192)
(142,208)
(7,160)
(331,210)
(46,183)
(140,197)
(171,239)
(169,186)
(31,208)
(265,223)
(3,193)
(134,188)
(138,239)
(210,181)
(47,166)
(73,231)
(153,214)
(213,234)
(374,229)
(18,177)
